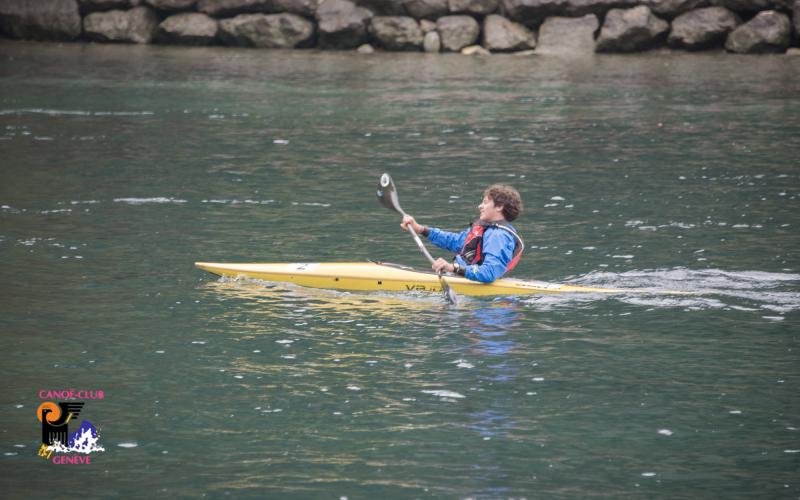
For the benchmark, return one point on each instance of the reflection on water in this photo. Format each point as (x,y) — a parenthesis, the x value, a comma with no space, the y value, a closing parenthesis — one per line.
(491,328)
(331,302)
(487,333)
(490,331)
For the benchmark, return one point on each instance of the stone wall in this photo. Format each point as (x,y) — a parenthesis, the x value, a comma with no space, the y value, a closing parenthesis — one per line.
(468,26)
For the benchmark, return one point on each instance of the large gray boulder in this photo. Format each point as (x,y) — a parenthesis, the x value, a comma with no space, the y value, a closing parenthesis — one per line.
(137,25)
(702,28)
(457,32)
(474,7)
(503,35)
(269,31)
(342,24)
(51,20)
(188,28)
(427,9)
(671,9)
(172,5)
(432,42)
(396,32)
(228,8)
(629,30)
(568,35)
(769,31)
(532,12)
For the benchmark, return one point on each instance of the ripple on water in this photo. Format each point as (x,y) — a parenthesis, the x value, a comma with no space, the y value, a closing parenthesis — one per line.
(67,112)
(142,201)
(444,394)
(709,289)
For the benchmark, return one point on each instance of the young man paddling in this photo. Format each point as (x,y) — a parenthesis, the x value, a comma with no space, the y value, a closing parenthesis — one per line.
(490,247)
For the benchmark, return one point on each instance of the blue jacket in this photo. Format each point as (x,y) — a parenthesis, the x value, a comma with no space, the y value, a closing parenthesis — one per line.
(497,250)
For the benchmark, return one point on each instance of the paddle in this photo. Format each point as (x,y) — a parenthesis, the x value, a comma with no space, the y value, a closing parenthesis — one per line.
(387,196)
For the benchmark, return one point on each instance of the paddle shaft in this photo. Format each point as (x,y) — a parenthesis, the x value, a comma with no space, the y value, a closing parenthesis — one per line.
(387,195)
(419,242)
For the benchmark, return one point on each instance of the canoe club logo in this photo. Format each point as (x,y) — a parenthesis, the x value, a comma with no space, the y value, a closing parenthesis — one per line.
(58,444)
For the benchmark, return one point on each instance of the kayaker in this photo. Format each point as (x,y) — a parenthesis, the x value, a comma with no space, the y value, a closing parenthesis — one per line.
(490,247)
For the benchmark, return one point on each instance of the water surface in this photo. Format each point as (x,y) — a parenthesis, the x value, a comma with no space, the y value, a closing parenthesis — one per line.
(121,166)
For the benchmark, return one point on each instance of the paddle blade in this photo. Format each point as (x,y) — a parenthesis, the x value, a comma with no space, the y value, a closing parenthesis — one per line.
(449,293)
(387,194)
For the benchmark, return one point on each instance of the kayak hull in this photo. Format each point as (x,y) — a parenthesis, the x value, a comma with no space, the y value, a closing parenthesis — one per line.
(374,276)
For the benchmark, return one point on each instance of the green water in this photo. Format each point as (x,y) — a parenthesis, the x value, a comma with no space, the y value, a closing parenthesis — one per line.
(121,166)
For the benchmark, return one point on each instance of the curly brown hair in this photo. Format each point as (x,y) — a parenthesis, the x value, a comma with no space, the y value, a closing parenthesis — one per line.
(508,197)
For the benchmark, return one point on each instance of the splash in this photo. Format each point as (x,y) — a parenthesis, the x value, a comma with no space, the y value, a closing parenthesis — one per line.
(84,440)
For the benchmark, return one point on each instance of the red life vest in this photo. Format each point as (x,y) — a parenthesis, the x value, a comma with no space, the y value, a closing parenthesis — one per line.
(471,252)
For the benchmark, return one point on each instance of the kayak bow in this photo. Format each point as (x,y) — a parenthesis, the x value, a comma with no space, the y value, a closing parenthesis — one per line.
(377,276)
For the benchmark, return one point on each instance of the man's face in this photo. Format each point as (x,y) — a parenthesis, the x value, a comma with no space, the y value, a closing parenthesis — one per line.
(489,212)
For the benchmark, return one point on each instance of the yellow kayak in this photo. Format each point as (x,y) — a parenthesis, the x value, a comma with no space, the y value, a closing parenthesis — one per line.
(376,276)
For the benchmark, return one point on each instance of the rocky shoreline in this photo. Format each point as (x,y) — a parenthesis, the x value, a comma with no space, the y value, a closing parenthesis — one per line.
(466,26)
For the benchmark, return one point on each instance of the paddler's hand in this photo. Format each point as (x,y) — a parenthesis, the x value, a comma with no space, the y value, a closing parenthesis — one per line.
(407,219)
(442,265)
